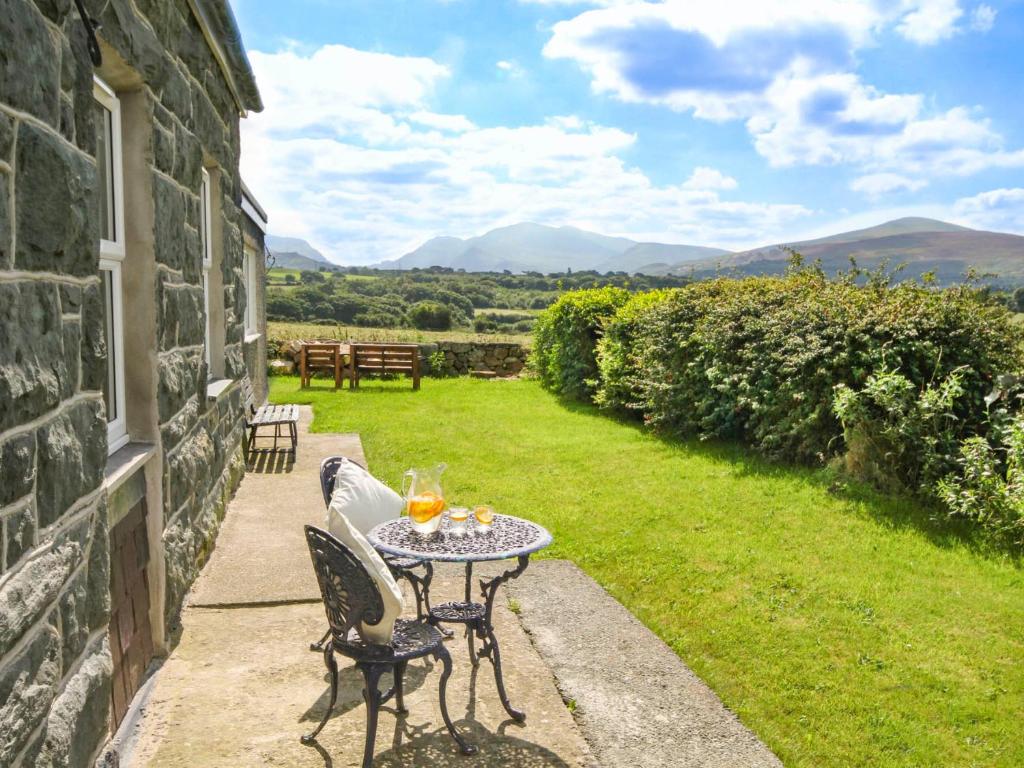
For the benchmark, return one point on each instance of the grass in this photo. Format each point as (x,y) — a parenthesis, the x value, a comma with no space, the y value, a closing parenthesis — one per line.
(842,627)
(284,331)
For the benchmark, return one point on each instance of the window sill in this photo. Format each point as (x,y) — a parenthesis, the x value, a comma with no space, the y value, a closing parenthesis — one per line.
(217,388)
(125,462)
(251,336)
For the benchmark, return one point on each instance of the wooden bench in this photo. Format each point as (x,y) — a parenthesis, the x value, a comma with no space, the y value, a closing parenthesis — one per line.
(379,359)
(320,356)
(275,416)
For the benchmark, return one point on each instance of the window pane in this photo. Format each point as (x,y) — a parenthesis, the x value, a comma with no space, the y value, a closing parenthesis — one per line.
(110,392)
(105,168)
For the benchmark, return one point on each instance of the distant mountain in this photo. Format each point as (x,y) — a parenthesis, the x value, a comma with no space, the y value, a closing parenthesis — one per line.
(923,245)
(292,260)
(535,247)
(295,253)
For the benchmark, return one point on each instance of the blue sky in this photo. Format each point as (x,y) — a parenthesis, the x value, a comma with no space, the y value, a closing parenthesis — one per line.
(732,123)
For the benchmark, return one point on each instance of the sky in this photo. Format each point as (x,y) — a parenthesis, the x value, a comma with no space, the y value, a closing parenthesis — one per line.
(728,123)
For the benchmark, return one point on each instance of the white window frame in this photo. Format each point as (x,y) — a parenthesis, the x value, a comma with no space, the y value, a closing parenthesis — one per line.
(252,325)
(112,254)
(206,218)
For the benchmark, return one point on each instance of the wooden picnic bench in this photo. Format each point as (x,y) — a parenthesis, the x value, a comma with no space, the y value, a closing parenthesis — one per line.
(369,359)
(321,356)
(275,416)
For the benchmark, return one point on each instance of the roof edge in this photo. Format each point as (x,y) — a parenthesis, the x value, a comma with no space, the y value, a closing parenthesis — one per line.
(217,21)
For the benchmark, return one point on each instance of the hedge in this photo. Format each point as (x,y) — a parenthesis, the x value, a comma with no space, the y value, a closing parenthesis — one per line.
(565,339)
(893,379)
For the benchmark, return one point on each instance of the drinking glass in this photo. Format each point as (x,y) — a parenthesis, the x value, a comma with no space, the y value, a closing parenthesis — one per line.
(484,515)
(458,517)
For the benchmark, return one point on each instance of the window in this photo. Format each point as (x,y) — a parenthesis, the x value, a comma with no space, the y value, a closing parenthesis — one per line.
(111,190)
(251,273)
(206,241)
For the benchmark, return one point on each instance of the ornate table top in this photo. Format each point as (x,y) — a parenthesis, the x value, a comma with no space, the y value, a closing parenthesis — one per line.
(508,537)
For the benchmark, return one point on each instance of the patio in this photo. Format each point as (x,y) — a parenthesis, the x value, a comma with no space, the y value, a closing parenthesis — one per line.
(241,686)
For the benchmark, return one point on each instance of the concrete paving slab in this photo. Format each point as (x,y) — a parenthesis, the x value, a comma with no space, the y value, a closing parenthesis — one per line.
(637,703)
(261,554)
(242,686)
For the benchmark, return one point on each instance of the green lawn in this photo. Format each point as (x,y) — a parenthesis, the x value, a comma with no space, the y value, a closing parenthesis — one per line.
(843,628)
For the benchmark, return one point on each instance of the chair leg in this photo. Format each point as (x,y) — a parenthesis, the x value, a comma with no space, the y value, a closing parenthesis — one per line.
(441,654)
(400,687)
(332,665)
(319,644)
(372,697)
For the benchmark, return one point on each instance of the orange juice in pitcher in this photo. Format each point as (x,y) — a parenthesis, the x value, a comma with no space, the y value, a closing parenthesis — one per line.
(424,499)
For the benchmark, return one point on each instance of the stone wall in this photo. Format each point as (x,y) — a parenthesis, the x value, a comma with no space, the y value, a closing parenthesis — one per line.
(461,358)
(55,662)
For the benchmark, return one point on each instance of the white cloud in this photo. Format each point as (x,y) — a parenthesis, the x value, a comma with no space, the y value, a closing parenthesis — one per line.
(929,21)
(709,179)
(371,169)
(454,123)
(983,18)
(998,209)
(875,185)
(786,67)
(511,68)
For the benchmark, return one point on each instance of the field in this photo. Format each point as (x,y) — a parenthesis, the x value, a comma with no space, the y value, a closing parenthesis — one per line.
(284,331)
(844,628)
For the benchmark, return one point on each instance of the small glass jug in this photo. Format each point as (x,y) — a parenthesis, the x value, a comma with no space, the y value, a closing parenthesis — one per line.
(424,499)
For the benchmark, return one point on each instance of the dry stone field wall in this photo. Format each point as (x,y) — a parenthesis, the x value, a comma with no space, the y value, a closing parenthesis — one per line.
(55,661)
(465,357)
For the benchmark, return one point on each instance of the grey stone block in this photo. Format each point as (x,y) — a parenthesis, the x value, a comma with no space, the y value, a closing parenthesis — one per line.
(70,298)
(29,81)
(33,361)
(26,596)
(78,720)
(17,467)
(54,10)
(6,137)
(97,605)
(163,150)
(72,452)
(93,348)
(73,623)
(19,533)
(180,377)
(27,687)
(55,204)
(168,242)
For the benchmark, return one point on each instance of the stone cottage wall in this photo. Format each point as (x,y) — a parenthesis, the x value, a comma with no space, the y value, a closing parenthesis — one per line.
(55,663)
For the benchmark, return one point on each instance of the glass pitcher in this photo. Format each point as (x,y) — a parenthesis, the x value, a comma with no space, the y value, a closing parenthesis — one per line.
(424,499)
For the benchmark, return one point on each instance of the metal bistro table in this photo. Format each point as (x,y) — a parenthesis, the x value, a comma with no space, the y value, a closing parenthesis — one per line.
(509,537)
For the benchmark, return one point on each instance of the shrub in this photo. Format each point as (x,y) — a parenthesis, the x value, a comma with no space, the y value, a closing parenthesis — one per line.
(430,316)
(988,486)
(616,353)
(759,359)
(438,366)
(897,435)
(565,337)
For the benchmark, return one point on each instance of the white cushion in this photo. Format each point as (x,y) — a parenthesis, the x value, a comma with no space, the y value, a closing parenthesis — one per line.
(390,593)
(362,498)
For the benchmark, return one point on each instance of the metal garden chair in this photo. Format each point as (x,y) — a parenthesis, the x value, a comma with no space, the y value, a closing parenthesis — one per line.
(401,567)
(351,598)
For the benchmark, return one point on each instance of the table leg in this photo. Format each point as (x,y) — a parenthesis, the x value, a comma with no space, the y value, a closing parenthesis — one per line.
(484,629)
(470,628)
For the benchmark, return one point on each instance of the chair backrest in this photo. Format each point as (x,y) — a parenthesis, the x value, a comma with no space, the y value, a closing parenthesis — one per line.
(349,593)
(328,474)
(385,358)
(321,356)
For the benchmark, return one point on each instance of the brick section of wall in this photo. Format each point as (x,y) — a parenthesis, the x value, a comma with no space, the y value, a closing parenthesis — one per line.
(55,662)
